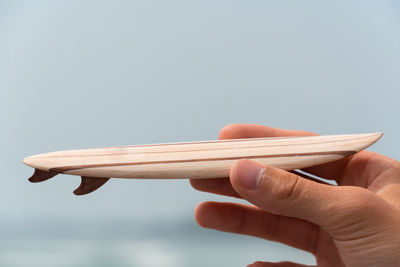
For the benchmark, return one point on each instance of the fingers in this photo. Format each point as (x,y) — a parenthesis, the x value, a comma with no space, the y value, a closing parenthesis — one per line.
(361,169)
(337,170)
(223,186)
(365,169)
(250,220)
(276,264)
(220,186)
(237,131)
(279,192)
(331,170)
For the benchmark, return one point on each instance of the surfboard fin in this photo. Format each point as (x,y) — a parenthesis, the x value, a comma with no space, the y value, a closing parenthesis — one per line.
(40,176)
(90,184)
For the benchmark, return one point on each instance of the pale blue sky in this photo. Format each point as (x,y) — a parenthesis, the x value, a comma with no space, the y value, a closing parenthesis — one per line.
(82,74)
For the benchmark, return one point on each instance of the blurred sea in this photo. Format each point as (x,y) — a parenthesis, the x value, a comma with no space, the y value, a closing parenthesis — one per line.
(131,244)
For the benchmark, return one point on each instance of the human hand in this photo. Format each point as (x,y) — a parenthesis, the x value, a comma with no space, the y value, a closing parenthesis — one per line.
(354,224)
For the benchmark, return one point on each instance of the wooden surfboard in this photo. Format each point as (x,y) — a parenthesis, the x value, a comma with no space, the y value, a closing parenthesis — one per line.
(207,159)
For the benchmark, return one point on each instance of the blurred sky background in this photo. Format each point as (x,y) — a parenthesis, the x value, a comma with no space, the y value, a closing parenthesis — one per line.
(84,74)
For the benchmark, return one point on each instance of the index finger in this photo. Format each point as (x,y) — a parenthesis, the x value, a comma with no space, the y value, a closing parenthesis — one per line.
(242,130)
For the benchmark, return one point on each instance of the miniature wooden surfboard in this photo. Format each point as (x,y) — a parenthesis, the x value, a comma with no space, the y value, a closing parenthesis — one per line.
(207,159)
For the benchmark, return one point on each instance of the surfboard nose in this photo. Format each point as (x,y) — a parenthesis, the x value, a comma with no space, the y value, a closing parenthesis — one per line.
(375,136)
(367,140)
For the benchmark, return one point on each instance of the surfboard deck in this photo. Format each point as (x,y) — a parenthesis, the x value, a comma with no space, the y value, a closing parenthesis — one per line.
(206,159)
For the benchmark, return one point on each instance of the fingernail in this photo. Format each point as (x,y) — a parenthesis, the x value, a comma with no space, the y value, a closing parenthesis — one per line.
(248,174)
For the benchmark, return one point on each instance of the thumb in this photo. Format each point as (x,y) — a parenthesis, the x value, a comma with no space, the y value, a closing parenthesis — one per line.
(284,193)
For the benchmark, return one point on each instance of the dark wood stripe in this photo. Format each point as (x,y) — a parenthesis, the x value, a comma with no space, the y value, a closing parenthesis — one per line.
(350,137)
(343,153)
(223,141)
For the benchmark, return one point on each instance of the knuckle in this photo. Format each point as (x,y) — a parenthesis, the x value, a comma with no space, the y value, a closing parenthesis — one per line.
(287,187)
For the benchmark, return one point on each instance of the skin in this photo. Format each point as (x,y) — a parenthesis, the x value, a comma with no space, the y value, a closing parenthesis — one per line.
(354,224)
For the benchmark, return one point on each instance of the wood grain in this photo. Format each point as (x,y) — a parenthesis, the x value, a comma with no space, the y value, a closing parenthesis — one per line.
(208,159)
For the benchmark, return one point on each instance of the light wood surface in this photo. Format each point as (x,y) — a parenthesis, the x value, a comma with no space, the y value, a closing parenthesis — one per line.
(209,159)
